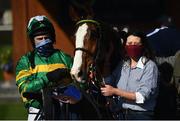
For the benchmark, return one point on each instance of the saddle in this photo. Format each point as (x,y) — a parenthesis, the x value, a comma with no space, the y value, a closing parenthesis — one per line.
(69,94)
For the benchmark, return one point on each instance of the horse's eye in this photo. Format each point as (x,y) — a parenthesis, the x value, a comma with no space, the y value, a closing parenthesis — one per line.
(94,34)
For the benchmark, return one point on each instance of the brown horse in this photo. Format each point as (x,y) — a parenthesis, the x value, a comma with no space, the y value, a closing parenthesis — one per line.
(97,52)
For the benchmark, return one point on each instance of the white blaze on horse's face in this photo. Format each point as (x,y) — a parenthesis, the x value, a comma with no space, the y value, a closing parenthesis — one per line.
(80,35)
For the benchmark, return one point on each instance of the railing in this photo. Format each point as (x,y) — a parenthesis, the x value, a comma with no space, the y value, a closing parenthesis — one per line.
(9,92)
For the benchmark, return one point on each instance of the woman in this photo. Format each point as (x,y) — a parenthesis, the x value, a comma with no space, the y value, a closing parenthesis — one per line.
(134,80)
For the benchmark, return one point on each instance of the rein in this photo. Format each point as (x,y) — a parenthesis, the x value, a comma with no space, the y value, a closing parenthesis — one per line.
(95,76)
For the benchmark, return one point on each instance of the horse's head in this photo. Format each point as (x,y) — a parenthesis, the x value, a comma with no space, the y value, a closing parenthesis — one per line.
(86,38)
(96,45)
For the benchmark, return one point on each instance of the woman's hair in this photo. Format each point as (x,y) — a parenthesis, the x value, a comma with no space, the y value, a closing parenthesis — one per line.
(147,52)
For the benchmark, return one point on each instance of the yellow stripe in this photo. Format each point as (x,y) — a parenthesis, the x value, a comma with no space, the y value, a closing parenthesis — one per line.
(39,68)
(23,98)
(21,84)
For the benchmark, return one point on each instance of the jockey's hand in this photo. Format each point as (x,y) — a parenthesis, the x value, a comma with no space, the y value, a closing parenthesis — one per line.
(32,95)
(58,74)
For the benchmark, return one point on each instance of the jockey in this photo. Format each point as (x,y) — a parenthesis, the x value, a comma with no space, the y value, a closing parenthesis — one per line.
(43,67)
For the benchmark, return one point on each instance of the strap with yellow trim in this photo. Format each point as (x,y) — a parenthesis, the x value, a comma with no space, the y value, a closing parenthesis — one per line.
(88,21)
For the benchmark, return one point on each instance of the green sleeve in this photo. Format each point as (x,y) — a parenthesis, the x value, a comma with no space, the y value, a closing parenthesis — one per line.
(67,60)
(26,80)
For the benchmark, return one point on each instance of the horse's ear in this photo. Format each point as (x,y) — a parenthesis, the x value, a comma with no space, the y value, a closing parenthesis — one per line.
(90,13)
(82,12)
(73,14)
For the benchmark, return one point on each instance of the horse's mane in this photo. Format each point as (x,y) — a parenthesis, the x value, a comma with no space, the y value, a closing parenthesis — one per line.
(109,41)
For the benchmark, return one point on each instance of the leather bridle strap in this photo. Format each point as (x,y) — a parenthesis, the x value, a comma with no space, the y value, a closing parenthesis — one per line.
(84,50)
(98,42)
(88,21)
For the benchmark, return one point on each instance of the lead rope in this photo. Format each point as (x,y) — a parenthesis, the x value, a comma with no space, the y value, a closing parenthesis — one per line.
(97,82)
(92,75)
(101,83)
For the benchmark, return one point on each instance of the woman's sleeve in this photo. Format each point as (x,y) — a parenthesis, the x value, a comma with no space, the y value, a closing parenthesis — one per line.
(148,82)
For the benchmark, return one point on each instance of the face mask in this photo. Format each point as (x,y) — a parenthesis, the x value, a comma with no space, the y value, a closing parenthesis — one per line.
(134,51)
(45,48)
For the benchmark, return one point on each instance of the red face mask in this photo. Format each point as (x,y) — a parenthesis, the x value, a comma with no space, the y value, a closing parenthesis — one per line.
(134,51)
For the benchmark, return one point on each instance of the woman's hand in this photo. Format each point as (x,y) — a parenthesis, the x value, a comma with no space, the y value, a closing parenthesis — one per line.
(108,90)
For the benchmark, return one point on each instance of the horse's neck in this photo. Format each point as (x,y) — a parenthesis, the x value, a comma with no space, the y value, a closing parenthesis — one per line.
(105,69)
(105,66)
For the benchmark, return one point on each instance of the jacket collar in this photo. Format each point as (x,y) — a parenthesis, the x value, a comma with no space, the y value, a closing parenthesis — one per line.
(140,64)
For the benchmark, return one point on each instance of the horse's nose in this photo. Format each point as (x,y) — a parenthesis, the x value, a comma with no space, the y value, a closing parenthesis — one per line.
(80,73)
(76,75)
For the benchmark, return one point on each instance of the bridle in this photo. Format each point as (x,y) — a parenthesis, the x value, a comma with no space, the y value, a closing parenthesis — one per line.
(84,50)
(93,68)
(94,57)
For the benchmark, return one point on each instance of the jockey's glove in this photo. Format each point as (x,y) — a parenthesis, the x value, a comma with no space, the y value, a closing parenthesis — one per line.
(58,74)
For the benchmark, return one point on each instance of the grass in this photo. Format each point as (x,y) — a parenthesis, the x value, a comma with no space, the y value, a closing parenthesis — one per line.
(12,111)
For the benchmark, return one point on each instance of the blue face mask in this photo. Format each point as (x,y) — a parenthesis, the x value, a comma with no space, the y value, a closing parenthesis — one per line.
(45,48)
